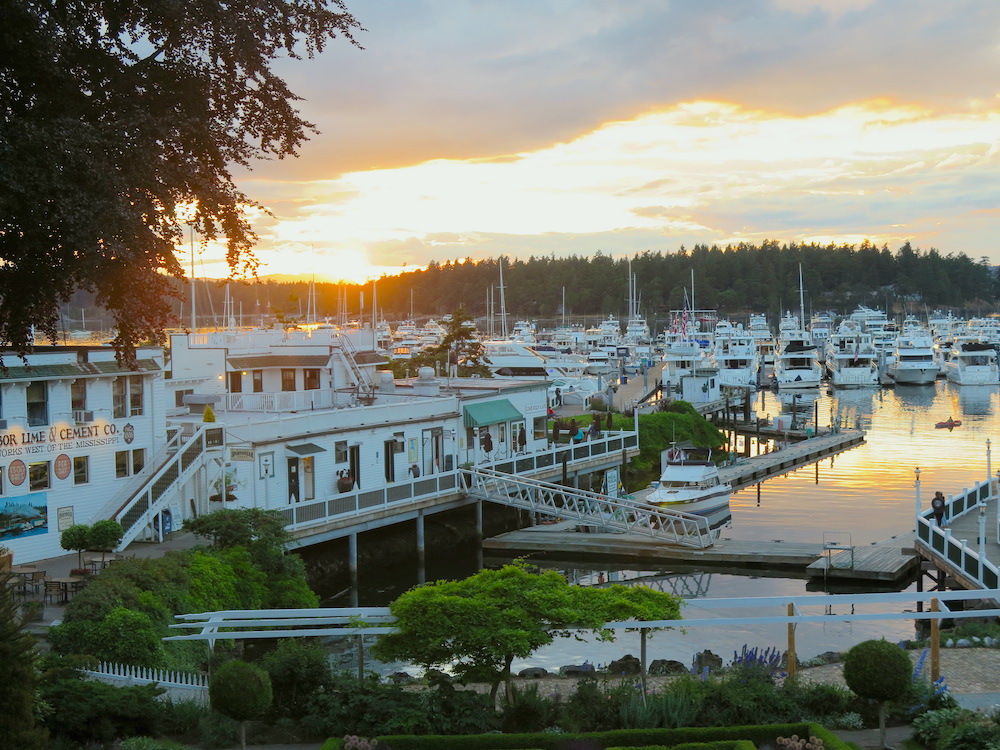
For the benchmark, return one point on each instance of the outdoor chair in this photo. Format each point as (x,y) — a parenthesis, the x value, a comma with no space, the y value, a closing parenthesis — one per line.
(35,582)
(53,591)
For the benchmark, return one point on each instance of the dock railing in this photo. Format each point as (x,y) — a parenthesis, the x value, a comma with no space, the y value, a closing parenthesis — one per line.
(967,560)
(302,515)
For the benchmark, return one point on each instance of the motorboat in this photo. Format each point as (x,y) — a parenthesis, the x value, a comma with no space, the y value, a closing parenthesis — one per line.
(851,358)
(972,363)
(689,482)
(682,355)
(913,362)
(735,354)
(796,361)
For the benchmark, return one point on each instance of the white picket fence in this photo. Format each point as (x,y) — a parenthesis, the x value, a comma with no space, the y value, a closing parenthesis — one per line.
(179,686)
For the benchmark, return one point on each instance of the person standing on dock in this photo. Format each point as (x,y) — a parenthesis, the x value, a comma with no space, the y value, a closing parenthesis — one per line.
(938,506)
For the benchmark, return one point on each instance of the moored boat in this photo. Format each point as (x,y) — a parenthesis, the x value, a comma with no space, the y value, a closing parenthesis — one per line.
(689,482)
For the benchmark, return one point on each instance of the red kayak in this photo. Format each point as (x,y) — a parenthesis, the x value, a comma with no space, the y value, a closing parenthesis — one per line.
(950,423)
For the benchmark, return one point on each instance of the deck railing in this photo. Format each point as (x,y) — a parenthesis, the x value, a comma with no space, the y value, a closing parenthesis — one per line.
(314,512)
(964,557)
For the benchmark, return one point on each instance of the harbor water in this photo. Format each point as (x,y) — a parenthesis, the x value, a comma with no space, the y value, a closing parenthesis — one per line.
(864,495)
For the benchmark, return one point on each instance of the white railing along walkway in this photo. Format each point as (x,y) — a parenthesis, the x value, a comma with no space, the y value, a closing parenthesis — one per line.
(178,685)
(615,514)
(970,560)
(303,515)
(145,501)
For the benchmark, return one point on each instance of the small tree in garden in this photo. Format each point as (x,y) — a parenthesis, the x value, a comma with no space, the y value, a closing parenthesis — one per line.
(479,625)
(241,691)
(208,415)
(76,537)
(879,671)
(105,535)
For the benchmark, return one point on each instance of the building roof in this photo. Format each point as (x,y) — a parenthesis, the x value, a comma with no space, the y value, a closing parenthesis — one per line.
(261,361)
(75,370)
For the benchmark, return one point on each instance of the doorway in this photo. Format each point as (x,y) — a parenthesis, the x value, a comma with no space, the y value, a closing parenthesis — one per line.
(293,480)
(354,454)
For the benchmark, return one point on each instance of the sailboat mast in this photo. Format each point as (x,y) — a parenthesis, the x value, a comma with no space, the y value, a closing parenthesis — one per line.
(503,304)
(802,304)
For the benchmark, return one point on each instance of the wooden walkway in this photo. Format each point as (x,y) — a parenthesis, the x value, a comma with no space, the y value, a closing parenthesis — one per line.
(887,561)
(749,471)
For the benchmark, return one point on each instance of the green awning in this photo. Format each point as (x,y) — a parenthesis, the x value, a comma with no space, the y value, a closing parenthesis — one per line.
(491,412)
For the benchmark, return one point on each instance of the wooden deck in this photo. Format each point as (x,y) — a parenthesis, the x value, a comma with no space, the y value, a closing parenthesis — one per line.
(885,561)
(749,471)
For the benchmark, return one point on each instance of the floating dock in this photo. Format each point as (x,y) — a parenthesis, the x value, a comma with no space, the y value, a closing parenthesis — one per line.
(750,470)
(887,561)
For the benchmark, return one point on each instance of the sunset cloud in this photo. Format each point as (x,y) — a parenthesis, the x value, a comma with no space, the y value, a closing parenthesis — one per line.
(474,129)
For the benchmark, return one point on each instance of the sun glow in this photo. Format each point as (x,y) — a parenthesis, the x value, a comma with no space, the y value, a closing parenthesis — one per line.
(709,170)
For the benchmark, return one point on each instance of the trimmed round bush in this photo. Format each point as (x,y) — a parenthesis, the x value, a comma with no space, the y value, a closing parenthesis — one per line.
(240,690)
(877,670)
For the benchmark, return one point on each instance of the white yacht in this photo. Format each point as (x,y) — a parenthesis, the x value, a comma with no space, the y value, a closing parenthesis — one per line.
(734,353)
(972,363)
(796,361)
(764,340)
(689,482)
(851,357)
(913,361)
(513,359)
(682,355)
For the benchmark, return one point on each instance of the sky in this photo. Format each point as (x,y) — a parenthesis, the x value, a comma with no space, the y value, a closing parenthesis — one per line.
(476,128)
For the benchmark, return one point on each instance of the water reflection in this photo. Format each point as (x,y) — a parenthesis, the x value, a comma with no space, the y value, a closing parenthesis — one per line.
(868,491)
(975,400)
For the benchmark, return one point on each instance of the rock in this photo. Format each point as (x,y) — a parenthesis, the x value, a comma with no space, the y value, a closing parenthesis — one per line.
(707,659)
(963,643)
(829,657)
(401,678)
(533,673)
(577,670)
(666,666)
(950,643)
(977,639)
(628,664)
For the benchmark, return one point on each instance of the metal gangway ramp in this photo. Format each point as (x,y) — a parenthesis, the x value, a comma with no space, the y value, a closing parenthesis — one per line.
(591,508)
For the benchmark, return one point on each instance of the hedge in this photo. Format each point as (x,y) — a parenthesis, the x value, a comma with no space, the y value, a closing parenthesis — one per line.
(671,738)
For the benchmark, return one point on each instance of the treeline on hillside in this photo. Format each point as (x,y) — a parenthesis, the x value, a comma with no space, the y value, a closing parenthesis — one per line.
(734,280)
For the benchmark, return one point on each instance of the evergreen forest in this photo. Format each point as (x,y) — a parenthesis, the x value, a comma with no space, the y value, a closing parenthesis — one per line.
(733,280)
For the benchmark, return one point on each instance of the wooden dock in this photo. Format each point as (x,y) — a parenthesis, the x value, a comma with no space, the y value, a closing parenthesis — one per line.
(747,471)
(887,561)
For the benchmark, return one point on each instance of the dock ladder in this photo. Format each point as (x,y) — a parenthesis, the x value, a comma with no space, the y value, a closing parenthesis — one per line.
(835,542)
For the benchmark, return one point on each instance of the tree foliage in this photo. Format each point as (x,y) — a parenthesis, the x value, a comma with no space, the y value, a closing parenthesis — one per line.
(479,625)
(879,671)
(76,537)
(241,691)
(117,118)
(17,676)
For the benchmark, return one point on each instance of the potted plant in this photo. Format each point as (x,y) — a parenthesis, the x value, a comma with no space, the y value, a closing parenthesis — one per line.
(6,558)
(227,482)
(345,481)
